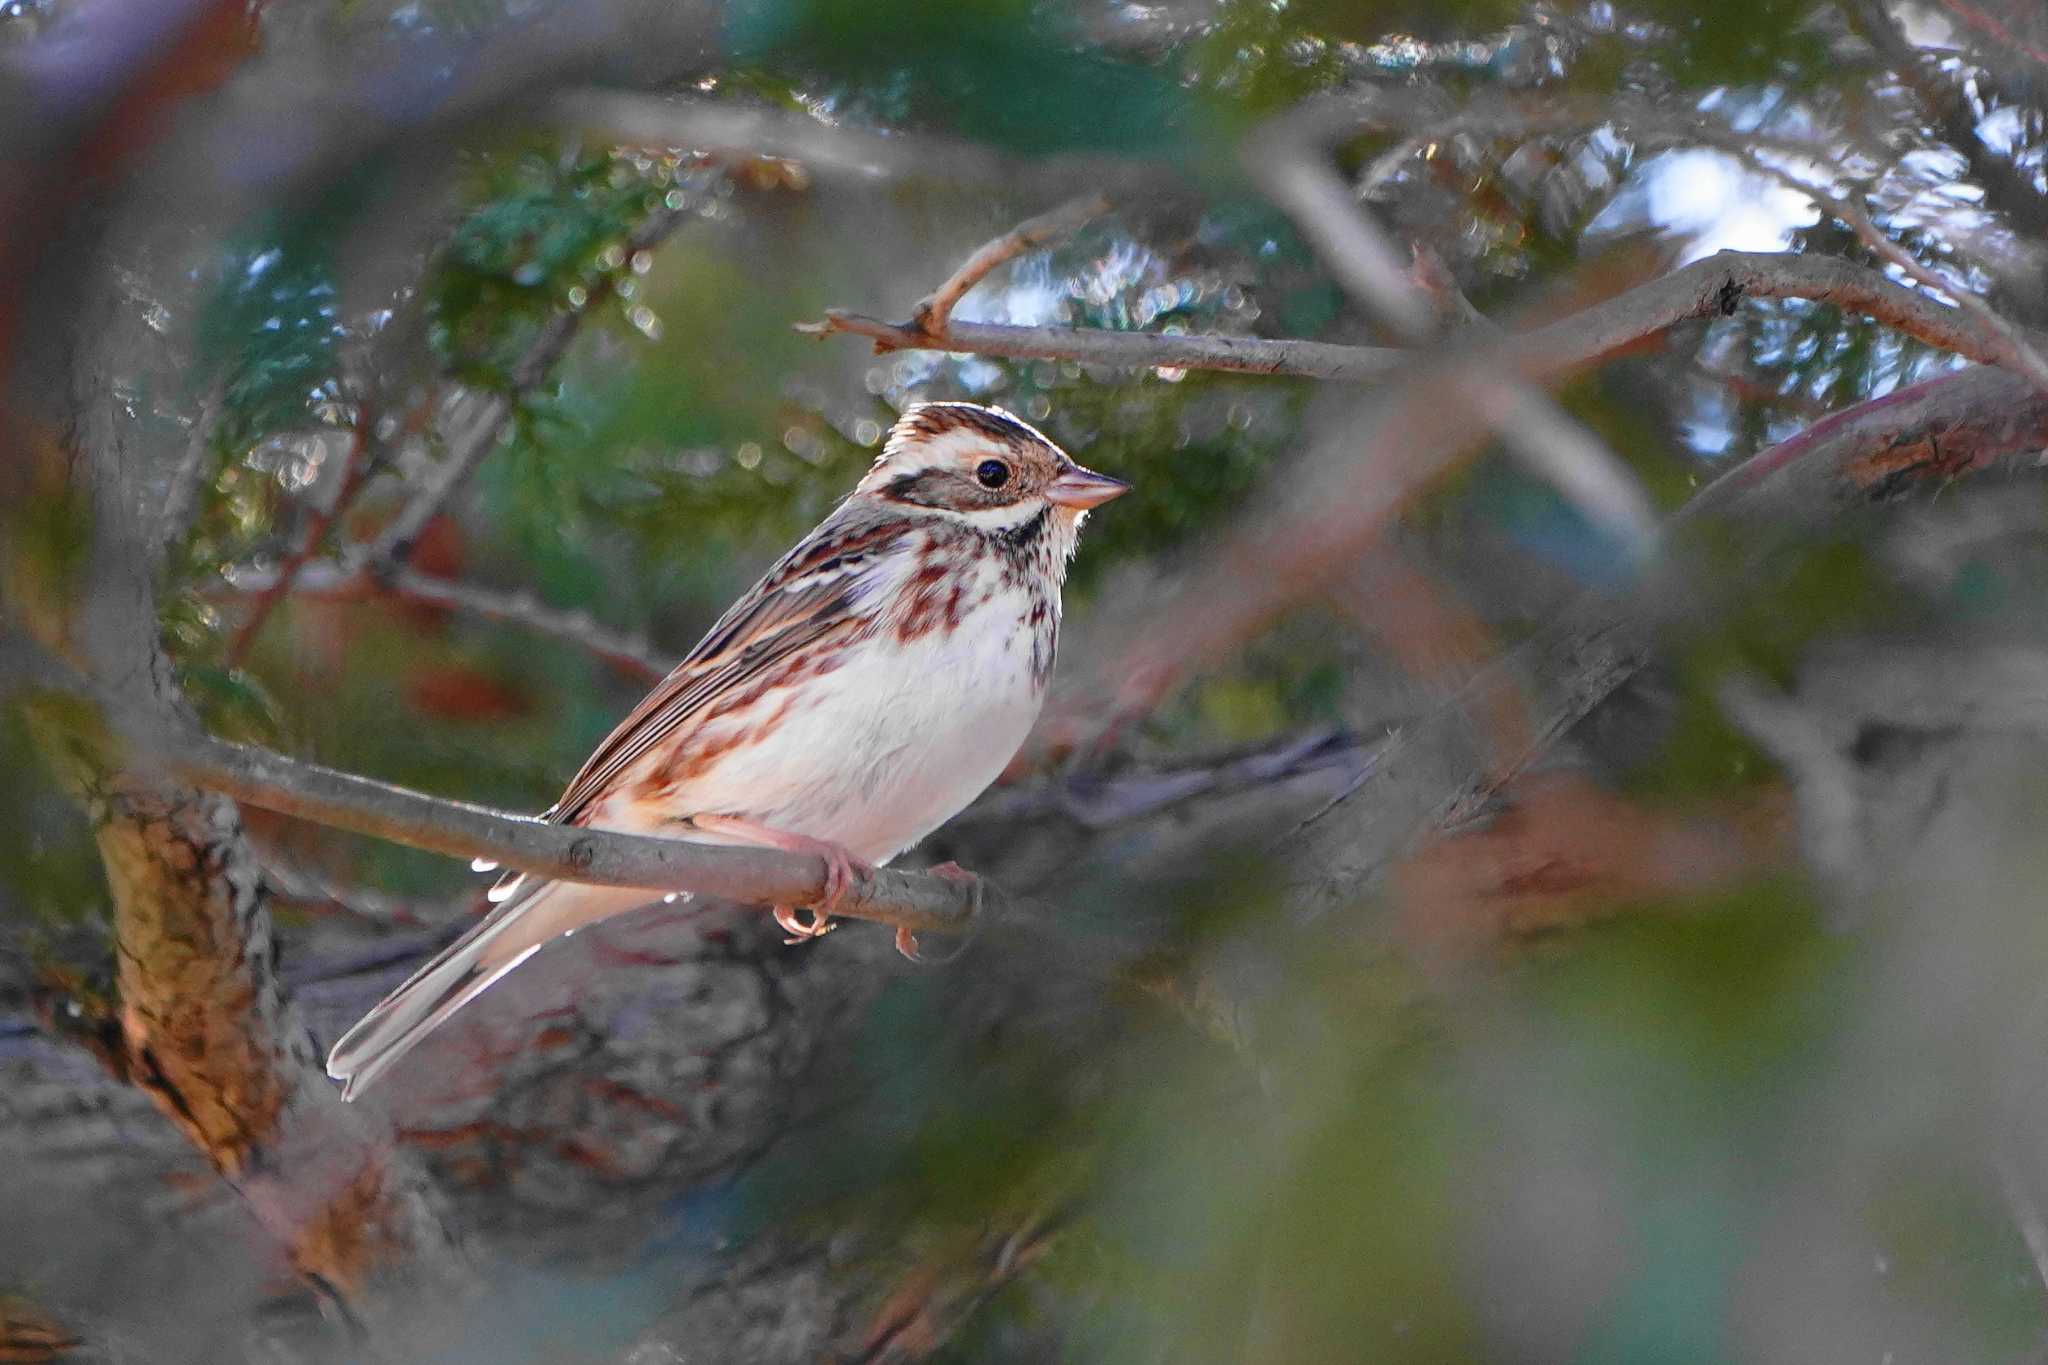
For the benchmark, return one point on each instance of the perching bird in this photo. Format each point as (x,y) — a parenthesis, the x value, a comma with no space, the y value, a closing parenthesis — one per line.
(863,692)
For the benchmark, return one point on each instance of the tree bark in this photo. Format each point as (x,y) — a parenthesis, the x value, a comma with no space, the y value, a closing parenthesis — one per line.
(204,1025)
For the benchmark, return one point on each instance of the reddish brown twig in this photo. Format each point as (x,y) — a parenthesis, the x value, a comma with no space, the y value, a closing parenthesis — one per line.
(935,313)
(354,475)
(631,652)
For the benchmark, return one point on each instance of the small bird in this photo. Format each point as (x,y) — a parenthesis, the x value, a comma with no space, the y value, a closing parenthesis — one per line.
(874,682)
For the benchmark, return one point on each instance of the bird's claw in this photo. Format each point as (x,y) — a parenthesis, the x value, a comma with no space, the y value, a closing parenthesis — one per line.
(800,931)
(841,869)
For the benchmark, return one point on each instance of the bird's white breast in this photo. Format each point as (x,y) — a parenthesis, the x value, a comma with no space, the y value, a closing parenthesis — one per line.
(891,743)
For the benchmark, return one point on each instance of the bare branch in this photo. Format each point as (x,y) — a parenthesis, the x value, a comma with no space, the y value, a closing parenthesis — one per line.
(1713,287)
(933,316)
(354,476)
(1136,350)
(334,582)
(2000,338)
(1717,285)
(270,781)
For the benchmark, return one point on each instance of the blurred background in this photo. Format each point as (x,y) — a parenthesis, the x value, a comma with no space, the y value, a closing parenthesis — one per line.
(1533,850)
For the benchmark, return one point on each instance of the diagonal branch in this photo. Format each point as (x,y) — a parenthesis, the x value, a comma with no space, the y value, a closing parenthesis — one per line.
(1429,774)
(1291,161)
(935,314)
(355,474)
(492,412)
(631,652)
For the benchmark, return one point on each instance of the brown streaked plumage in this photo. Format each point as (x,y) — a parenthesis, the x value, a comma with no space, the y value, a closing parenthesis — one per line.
(879,675)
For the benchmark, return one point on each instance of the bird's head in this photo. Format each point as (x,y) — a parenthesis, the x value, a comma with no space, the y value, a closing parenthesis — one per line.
(983,467)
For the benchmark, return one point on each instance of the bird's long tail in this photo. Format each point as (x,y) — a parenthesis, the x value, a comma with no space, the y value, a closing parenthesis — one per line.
(534,914)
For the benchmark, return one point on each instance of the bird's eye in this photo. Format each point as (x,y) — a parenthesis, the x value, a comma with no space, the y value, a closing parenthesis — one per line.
(992,473)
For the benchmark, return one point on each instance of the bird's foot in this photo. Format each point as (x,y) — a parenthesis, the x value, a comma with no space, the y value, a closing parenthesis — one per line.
(801,930)
(842,868)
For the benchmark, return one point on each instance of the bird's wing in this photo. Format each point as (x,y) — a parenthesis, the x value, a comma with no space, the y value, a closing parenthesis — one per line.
(822,589)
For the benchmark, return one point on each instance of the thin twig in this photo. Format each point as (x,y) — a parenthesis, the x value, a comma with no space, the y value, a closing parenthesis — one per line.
(355,474)
(2002,342)
(490,413)
(340,583)
(1133,350)
(2020,353)
(935,313)
(484,417)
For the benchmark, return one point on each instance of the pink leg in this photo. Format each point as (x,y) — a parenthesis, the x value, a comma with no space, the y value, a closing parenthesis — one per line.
(906,942)
(841,868)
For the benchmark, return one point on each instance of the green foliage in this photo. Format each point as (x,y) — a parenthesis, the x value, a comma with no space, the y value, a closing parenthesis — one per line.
(1375,20)
(1194,448)
(49,866)
(1265,57)
(1741,42)
(270,328)
(547,233)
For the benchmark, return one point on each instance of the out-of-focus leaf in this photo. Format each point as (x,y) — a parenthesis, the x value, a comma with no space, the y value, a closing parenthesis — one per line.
(994,70)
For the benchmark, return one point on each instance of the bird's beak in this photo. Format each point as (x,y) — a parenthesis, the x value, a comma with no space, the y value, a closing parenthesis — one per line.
(1084,488)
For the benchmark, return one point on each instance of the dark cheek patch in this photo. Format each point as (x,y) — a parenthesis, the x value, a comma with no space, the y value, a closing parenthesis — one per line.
(951,491)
